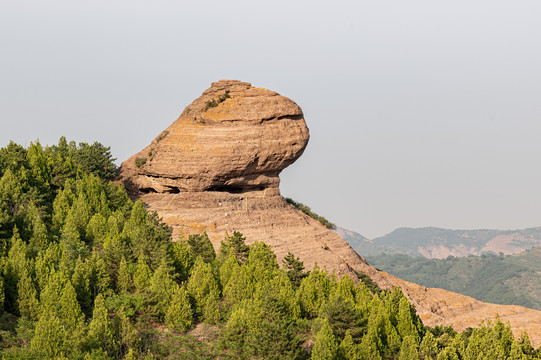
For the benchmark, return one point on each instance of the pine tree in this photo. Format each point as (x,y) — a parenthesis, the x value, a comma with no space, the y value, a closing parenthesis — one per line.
(348,349)
(81,284)
(129,337)
(227,268)
(211,310)
(28,301)
(161,291)
(449,353)
(100,330)
(235,243)
(261,263)
(49,339)
(325,346)
(313,292)
(240,287)
(124,283)
(182,259)
(71,316)
(200,245)
(406,325)
(429,346)
(408,349)
(295,269)
(342,316)
(201,283)
(143,275)
(179,315)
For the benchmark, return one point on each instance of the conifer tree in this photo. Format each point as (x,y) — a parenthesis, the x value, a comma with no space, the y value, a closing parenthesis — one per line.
(406,320)
(39,239)
(429,346)
(408,349)
(200,245)
(342,316)
(49,340)
(100,330)
(449,353)
(239,287)
(182,259)
(52,293)
(143,275)
(28,301)
(261,263)
(2,295)
(179,315)
(201,283)
(211,311)
(295,269)
(235,243)
(124,283)
(325,346)
(161,290)
(313,292)
(348,349)
(96,230)
(129,338)
(71,316)
(81,283)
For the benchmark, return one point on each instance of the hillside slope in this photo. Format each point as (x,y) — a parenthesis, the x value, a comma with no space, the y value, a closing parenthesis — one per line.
(511,279)
(220,193)
(437,243)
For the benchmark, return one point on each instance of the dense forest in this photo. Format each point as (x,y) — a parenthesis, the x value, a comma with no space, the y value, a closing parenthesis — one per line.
(500,279)
(85,273)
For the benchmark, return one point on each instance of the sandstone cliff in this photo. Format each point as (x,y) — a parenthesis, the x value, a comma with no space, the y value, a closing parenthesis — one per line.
(216,169)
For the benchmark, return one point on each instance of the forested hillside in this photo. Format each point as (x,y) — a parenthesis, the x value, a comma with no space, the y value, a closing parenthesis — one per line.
(85,273)
(500,279)
(438,243)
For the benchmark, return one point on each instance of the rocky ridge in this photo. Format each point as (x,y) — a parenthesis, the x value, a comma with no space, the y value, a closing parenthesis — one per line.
(216,168)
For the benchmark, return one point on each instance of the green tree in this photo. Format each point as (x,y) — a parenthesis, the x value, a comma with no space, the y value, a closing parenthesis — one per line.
(313,292)
(240,287)
(200,245)
(295,269)
(429,346)
(143,275)
(325,346)
(50,337)
(261,263)
(408,349)
(348,349)
(179,315)
(182,259)
(161,291)
(201,283)
(235,243)
(28,301)
(100,330)
(124,283)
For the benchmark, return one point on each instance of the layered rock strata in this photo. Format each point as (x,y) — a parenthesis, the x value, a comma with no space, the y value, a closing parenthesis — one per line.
(233,138)
(216,168)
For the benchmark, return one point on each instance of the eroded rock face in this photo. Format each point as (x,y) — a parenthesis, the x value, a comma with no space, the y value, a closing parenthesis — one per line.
(233,138)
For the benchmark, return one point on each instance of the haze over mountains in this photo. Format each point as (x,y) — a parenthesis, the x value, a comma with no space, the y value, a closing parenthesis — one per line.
(438,243)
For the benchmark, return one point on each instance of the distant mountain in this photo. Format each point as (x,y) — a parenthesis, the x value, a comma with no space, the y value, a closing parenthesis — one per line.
(437,243)
(500,279)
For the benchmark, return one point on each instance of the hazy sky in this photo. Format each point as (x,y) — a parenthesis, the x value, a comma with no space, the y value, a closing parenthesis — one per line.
(421,113)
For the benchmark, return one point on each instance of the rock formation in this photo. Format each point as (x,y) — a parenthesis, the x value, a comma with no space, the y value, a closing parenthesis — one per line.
(233,138)
(216,168)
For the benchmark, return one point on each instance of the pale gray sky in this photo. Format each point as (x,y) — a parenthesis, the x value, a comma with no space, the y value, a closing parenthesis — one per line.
(420,112)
